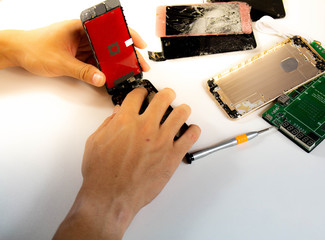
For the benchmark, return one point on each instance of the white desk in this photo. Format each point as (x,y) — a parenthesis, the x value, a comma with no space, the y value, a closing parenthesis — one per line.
(264,189)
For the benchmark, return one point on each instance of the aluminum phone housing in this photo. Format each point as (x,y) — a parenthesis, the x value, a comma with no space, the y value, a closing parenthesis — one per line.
(264,77)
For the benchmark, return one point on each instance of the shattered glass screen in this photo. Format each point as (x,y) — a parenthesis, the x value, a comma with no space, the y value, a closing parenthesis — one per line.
(203,19)
(260,8)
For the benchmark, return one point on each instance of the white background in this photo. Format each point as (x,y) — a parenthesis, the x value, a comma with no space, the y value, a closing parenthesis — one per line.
(267,188)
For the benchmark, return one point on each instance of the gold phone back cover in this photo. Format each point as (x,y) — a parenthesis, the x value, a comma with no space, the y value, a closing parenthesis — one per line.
(266,76)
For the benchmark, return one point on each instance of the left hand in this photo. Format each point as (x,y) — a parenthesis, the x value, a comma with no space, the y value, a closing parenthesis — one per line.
(62,49)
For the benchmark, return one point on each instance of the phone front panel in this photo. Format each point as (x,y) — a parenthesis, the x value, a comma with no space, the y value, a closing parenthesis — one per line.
(113,46)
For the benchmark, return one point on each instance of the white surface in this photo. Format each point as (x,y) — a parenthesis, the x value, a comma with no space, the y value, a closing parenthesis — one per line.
(265,189)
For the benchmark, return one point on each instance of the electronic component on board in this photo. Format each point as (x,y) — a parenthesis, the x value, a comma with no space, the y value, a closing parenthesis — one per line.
(302,120)
(318,47)
(283,99)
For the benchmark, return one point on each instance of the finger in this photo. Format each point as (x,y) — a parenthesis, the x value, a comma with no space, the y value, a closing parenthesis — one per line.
(108,119)
(84,72)
(84,55)
(105,123)
(73,24)
(137,39)
(175,120)
(91,60)
(186,141)
(116,109)
(144,65)
(160,103)
(133,101)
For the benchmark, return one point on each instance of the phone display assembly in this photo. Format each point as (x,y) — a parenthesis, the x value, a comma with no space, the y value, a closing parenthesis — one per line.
(273,8)
(300,115)
(111,42)
(114,52)
(266,76)
(203,19)
(202,29)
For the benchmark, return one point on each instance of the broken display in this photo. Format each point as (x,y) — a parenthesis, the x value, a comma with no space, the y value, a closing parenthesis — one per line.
(203,19)
(201,29)
(260,8)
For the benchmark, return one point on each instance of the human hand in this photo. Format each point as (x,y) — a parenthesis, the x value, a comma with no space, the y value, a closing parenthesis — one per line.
(62,49)
(127,162)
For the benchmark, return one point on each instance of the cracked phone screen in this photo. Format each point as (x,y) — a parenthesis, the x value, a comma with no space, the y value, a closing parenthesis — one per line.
(202,29)
(203,19)
(260,8)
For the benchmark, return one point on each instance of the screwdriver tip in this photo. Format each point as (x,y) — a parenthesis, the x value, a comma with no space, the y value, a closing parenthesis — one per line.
(264,130)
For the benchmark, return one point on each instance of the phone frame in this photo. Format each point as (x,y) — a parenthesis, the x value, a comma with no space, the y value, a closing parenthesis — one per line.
(264,77)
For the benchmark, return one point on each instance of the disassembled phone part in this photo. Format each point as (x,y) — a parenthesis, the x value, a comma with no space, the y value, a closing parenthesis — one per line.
(202,29)
(114,53)
(203,19)
(111,43)
(300,115)
(273,8)
(266,76)
(179,47)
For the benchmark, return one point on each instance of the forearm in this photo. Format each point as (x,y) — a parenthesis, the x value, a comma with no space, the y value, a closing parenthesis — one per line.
(9,47)
(93,217)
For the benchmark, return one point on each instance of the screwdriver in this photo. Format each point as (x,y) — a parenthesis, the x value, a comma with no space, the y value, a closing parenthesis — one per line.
(190,157)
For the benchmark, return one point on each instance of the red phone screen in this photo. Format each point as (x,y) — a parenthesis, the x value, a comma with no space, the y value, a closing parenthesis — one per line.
(113,46)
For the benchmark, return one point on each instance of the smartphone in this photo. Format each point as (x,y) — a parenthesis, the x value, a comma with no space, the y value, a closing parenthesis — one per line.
(111,42)
(273,8)
(203,19)
(114,52)
(266,76)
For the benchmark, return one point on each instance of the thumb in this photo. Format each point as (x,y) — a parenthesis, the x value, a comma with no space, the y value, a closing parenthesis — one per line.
(85,72)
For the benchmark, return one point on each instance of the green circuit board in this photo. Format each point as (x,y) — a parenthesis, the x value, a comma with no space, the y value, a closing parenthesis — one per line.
(300,115)
(318,48)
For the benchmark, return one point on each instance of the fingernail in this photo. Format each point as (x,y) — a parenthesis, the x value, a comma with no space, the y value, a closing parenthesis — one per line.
(98,79)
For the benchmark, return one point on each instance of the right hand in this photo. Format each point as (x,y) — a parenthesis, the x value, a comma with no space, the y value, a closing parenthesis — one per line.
(127,162)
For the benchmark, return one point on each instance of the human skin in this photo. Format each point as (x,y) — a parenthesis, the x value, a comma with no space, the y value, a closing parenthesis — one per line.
(130,158)
(61,49)
(126,164)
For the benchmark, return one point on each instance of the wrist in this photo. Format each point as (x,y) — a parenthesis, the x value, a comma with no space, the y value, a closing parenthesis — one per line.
(9,48)
(112,214)
(93,217)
